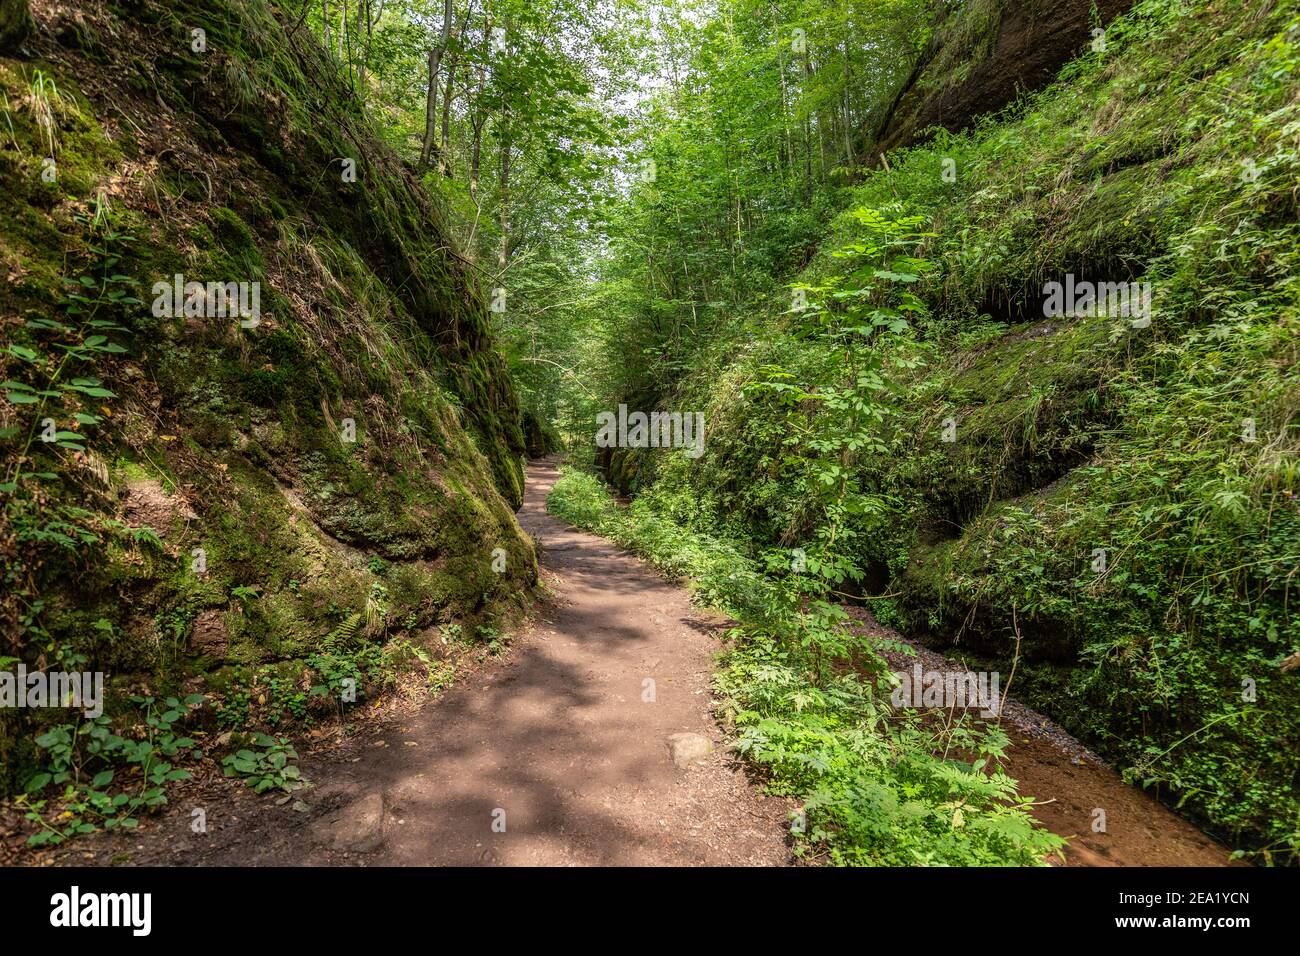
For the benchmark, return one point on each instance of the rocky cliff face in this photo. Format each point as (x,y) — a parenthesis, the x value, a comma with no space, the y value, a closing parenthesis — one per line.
(252,398)
(986,54)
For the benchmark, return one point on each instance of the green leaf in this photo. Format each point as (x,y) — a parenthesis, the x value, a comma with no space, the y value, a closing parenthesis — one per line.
(92,392)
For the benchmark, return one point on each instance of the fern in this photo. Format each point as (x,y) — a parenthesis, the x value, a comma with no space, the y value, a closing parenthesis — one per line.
(342,635)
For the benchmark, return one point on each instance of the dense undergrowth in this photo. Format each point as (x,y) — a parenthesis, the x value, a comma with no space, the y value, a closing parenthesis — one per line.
(1121,497)
(877,787)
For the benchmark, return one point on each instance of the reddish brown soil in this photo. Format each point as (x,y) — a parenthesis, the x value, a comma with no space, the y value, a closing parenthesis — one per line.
(1070,783)
(1140,831)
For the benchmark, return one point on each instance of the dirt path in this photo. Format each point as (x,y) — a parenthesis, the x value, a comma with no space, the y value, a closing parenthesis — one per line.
(555,741)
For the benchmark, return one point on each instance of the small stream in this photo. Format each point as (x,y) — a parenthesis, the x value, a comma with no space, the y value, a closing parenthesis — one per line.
(1071,784)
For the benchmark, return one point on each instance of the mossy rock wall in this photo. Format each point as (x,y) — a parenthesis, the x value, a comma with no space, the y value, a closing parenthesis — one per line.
(233,494)
(982,56)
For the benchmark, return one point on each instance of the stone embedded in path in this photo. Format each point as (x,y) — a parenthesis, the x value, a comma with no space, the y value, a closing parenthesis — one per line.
(358,827)
(689,748)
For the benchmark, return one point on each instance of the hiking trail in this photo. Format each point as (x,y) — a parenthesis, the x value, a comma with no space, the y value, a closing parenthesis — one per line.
(552,755)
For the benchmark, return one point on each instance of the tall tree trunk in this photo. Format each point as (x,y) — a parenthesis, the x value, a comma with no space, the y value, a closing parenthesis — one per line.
(503,184)
(785,97)
(444,147)
(807,130)
(444,150)
(370,22)
(343,29)
(347,36)
(475,157)
(480,117)
(849,158)
(436,53)
(503,193)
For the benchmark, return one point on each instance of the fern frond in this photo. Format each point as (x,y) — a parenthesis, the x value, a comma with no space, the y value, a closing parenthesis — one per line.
(343,634)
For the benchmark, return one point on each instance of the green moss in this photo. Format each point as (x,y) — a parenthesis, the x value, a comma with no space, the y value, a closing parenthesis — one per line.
(365,316)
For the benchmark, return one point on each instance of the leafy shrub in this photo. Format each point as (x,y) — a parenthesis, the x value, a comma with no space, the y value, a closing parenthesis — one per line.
(85,760)
(268,767)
